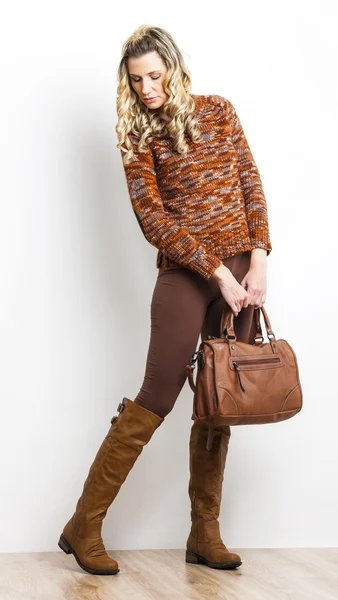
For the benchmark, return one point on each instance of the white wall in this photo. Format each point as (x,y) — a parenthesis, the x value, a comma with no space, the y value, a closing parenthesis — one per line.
(77,274)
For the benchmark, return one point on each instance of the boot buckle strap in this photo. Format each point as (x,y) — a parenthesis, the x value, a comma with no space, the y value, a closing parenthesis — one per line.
(210,437)
(122,405)
(120,410)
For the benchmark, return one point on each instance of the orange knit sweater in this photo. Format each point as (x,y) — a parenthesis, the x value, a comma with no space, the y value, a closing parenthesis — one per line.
(206,205)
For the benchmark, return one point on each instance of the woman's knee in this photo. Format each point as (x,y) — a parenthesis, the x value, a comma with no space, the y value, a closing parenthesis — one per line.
(160,406)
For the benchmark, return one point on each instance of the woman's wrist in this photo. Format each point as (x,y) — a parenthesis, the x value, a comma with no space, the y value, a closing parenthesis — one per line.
(219,273)
(258,257)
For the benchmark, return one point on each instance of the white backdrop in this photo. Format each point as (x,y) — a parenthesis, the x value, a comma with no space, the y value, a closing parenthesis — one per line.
(77,274)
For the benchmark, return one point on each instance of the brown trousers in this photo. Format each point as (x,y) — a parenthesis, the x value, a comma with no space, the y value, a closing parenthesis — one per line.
(184,306)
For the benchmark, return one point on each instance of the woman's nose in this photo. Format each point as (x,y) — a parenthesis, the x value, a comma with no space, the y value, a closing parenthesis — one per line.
(146,90)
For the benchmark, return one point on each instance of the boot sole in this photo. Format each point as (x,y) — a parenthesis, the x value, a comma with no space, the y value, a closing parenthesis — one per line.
(66,547)
(196,559)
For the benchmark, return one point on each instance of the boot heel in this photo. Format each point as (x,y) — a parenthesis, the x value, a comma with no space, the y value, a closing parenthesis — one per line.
(64,545)
(190,557)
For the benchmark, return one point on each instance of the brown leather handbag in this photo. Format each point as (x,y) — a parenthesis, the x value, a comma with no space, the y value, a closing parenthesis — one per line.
(243,384)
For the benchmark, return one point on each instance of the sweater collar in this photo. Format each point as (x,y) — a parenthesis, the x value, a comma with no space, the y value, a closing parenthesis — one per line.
(199,104)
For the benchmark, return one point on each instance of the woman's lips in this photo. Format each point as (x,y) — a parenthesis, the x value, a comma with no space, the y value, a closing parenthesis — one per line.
(150,99)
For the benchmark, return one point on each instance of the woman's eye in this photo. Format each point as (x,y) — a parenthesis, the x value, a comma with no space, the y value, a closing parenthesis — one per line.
(137,80)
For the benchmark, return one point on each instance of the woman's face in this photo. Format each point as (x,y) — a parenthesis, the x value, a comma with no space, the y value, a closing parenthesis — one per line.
(146,73)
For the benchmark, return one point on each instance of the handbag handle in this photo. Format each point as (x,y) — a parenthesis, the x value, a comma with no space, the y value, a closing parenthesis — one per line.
(227,324)
(259,333)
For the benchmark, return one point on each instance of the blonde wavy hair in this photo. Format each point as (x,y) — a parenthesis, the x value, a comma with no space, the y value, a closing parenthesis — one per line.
(135,118)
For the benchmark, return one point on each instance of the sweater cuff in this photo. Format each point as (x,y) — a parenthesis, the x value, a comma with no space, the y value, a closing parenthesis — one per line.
(259,234)
(208,265)
(262,243)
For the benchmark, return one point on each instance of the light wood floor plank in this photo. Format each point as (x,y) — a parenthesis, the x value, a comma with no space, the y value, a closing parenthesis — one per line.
(266,574)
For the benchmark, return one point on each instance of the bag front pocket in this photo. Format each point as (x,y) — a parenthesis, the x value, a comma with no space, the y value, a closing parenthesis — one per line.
(249,363)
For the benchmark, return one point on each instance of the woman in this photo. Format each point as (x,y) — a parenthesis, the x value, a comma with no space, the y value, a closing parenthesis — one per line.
(197,195)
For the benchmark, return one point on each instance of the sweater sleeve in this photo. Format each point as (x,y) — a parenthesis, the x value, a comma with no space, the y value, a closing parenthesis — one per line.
(158,226)
(255,202)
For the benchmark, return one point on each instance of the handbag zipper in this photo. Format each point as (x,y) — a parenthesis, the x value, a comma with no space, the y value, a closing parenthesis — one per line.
(257,360)
(238,375)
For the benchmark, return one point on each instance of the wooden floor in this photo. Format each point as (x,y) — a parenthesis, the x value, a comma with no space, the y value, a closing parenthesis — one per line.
(265,574)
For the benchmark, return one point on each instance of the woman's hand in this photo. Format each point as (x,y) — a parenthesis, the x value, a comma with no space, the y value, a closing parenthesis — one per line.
(233,292)
(251,290)
(255,282)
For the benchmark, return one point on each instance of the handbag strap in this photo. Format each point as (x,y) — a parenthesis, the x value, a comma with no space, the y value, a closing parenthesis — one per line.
(210,437)
(190,373)
(227,324)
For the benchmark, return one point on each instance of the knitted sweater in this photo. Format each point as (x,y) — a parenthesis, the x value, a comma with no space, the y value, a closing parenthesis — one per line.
(206,205)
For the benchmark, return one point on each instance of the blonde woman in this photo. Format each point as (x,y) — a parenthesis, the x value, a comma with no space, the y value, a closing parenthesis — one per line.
(197,195)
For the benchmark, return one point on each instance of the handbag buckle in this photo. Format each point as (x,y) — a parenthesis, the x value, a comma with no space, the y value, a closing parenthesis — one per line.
(194,359)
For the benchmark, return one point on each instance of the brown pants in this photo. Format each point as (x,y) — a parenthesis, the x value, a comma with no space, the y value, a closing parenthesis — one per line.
(184,306)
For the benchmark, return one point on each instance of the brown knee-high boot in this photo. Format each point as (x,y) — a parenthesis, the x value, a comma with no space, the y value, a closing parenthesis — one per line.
(129,432)
(204,544)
